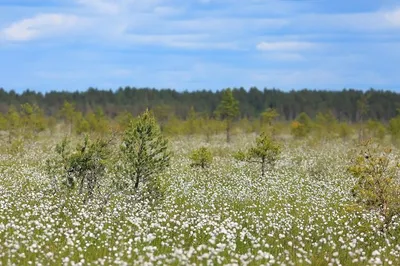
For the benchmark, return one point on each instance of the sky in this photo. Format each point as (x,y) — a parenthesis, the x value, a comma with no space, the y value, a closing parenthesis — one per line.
(199,44)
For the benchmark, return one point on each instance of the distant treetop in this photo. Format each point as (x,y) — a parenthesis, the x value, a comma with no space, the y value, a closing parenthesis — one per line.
(344,105)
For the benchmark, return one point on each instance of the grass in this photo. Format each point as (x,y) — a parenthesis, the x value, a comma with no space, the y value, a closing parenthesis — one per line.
(298,214)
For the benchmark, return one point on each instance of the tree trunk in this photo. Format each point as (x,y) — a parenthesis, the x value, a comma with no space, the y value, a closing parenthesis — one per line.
(263,167)
(228,131)
(137,181)
(82,183)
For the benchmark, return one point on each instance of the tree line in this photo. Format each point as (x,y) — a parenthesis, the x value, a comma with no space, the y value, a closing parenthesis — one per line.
(345,105)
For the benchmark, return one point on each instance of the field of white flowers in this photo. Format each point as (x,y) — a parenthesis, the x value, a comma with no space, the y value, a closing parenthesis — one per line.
(299,214)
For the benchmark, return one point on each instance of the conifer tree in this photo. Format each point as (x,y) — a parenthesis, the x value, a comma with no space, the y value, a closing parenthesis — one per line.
(13,123)
(265,152)
(68,114)
(377,186)
(201,157)
(145,150)
(301,127)
(228,110)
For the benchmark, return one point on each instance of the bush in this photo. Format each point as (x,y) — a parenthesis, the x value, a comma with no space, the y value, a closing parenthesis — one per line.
(82,168)
(375,129)
(201,157)
(377,186)
(301,127)
(394,128)
(345,131)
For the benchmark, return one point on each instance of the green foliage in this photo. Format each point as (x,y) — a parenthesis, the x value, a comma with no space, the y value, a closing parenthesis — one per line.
(3,122)
(123,120)
(82,167)
(33,120)
(81,124)
(344,130)
(301,127)
(16,146)
(144,149)
(229,106)
(192,122)
(326,125)
(394,128)
(162,113)
(174,127)
(68,114)
(210,127)
(252,102)
(97,122)
(244,125)
(201,157)
(228,110)
(265,152)
(24,123)
(363,106)
(362,111)
(305,120)
(13,123)
(267,117)
(375,129)
(51,124)
(377,184)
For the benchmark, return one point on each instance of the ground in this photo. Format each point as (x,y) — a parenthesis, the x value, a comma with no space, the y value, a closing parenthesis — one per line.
(301,213)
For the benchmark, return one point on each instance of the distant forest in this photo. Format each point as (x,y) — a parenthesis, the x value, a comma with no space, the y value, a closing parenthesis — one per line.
(381,105)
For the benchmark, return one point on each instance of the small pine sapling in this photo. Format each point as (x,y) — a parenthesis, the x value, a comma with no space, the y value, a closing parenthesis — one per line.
(83,168)
(144,149)
(265,152)
(201,157)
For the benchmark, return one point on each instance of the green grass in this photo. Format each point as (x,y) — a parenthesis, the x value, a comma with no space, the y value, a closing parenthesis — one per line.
(297,215)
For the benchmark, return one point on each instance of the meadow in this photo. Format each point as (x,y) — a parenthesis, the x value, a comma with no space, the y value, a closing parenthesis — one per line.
(300,213)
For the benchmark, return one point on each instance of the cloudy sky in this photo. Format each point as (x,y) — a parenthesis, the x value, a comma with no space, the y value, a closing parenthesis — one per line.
(199,44)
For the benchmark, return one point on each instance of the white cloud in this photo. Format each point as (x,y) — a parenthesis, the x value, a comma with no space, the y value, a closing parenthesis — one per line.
(40,25)
(377,21)
(186,41)
(393,17)
(227,25)
(284,46)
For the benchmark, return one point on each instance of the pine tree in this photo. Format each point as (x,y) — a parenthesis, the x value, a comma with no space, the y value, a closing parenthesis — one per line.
(267,117)
(13,123)
(83,167)
(228,110)
(201,157)
(377,184)
(265,152)
(68,113)
(144,148)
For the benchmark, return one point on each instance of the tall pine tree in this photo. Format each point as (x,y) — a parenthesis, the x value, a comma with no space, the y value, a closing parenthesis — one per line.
(228,110)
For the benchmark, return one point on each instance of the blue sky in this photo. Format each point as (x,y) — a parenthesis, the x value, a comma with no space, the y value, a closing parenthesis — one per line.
(199,44)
